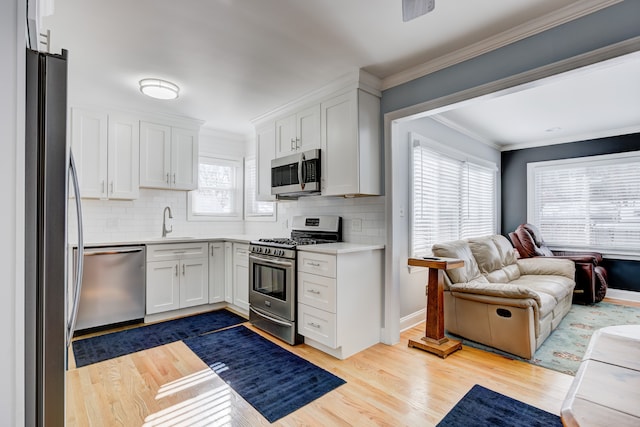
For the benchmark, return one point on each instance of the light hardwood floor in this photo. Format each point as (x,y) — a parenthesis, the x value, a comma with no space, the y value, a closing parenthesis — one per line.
(386,385)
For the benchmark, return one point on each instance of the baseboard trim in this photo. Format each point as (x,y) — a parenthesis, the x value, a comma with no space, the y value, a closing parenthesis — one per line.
(623,295)
(413,319)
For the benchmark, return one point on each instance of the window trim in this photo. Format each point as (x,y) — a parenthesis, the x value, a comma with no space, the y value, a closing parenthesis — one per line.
(255,217)
(584,160)
(237,215)
(418,139)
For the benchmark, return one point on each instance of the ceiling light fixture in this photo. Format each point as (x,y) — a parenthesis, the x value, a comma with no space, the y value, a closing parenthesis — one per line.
(159,89)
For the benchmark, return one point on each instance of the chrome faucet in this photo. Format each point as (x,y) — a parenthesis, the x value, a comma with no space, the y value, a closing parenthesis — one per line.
(166,230)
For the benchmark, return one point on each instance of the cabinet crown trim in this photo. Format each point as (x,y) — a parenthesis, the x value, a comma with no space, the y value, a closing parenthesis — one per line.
(358,79)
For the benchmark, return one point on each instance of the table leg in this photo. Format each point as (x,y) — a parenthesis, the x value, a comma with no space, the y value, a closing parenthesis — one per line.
(434,340)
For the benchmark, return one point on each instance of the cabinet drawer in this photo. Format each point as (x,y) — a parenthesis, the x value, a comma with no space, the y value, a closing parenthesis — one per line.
(176,251)
(323,264)
(318,325)
(317,291)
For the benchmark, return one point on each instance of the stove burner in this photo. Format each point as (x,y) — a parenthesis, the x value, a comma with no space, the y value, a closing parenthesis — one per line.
(291,242)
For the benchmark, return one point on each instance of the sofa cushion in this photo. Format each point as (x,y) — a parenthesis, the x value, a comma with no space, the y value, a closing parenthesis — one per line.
(507,252)
(486,254)
(556,286)
(547,266)
(458,249)
(496,258)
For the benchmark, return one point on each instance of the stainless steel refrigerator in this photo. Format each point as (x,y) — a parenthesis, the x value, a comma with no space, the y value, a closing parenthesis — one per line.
(49,300)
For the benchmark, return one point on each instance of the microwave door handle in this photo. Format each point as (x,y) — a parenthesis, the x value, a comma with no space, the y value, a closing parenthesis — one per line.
(301,174)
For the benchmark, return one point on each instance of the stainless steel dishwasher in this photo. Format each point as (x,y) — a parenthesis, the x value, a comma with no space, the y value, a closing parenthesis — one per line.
(113,286)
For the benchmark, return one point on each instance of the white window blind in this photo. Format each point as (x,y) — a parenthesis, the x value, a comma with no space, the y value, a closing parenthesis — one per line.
(587,203)
(451,198)
(219,192)
(254,209)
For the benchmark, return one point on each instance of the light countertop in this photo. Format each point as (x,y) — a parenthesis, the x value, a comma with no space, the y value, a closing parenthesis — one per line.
(327,248)
(236,238)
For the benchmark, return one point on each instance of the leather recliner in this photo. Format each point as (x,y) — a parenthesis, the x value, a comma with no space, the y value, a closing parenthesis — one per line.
(591,277)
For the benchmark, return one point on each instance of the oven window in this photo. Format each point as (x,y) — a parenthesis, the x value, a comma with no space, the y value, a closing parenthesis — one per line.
(270,281)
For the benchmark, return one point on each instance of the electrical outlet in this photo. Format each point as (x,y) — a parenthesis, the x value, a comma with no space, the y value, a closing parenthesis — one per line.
(356,225)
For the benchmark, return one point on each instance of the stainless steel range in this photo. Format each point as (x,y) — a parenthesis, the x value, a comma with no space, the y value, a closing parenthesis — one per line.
(272,274)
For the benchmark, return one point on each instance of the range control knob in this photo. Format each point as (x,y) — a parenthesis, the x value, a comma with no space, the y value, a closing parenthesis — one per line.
(267,251)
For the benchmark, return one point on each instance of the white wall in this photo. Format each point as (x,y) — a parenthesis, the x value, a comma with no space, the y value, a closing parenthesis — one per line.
(12,215)
(367,212)
(412,282)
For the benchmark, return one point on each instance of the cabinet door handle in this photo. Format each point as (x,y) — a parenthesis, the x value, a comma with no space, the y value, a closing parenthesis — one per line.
(314,264)
(176,270)
(174,178)
(314,325)
(313,291)
(183,269)
(211,250)
(293,147)
(111,187)
(167,177)
(102,191)
(298,143)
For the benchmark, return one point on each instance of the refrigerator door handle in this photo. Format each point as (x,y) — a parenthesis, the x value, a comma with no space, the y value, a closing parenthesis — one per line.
(80,258)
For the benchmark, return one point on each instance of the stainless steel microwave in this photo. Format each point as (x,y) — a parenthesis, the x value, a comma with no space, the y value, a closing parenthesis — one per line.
(296,175)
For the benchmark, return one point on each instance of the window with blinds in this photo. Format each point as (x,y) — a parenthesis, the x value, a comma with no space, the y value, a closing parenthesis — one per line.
(253,208)
(219,193)
(452,197)
(587,203)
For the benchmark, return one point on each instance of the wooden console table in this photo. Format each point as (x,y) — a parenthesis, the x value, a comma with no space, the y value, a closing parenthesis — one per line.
(434,340)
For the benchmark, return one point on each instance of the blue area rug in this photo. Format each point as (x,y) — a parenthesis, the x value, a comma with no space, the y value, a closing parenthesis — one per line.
(482,407)
(273,380)
(104,347)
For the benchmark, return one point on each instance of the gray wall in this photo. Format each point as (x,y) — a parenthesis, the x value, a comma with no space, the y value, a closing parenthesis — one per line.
(603,28)
(622,273)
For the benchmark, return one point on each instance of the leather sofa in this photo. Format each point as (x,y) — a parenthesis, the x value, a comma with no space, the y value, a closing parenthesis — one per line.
(591,277)
(498,300)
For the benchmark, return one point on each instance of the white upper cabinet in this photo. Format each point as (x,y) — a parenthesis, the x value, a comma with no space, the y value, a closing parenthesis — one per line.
(168,157)
(184,159)
(342,119)
(298,132)
(351,158)
(124,157)
(265,152)
(106,150)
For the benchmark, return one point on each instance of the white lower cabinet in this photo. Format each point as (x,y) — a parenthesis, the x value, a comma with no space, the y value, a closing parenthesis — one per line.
(216,272)
(177,276)
(241,276)
(228,268)
(339,300)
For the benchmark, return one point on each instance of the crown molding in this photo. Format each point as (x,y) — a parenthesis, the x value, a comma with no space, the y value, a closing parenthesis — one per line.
(566,14)
(355,79)
(573,138)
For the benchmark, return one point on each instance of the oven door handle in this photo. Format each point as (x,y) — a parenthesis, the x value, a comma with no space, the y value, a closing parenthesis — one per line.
(271,261)
(279,322)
